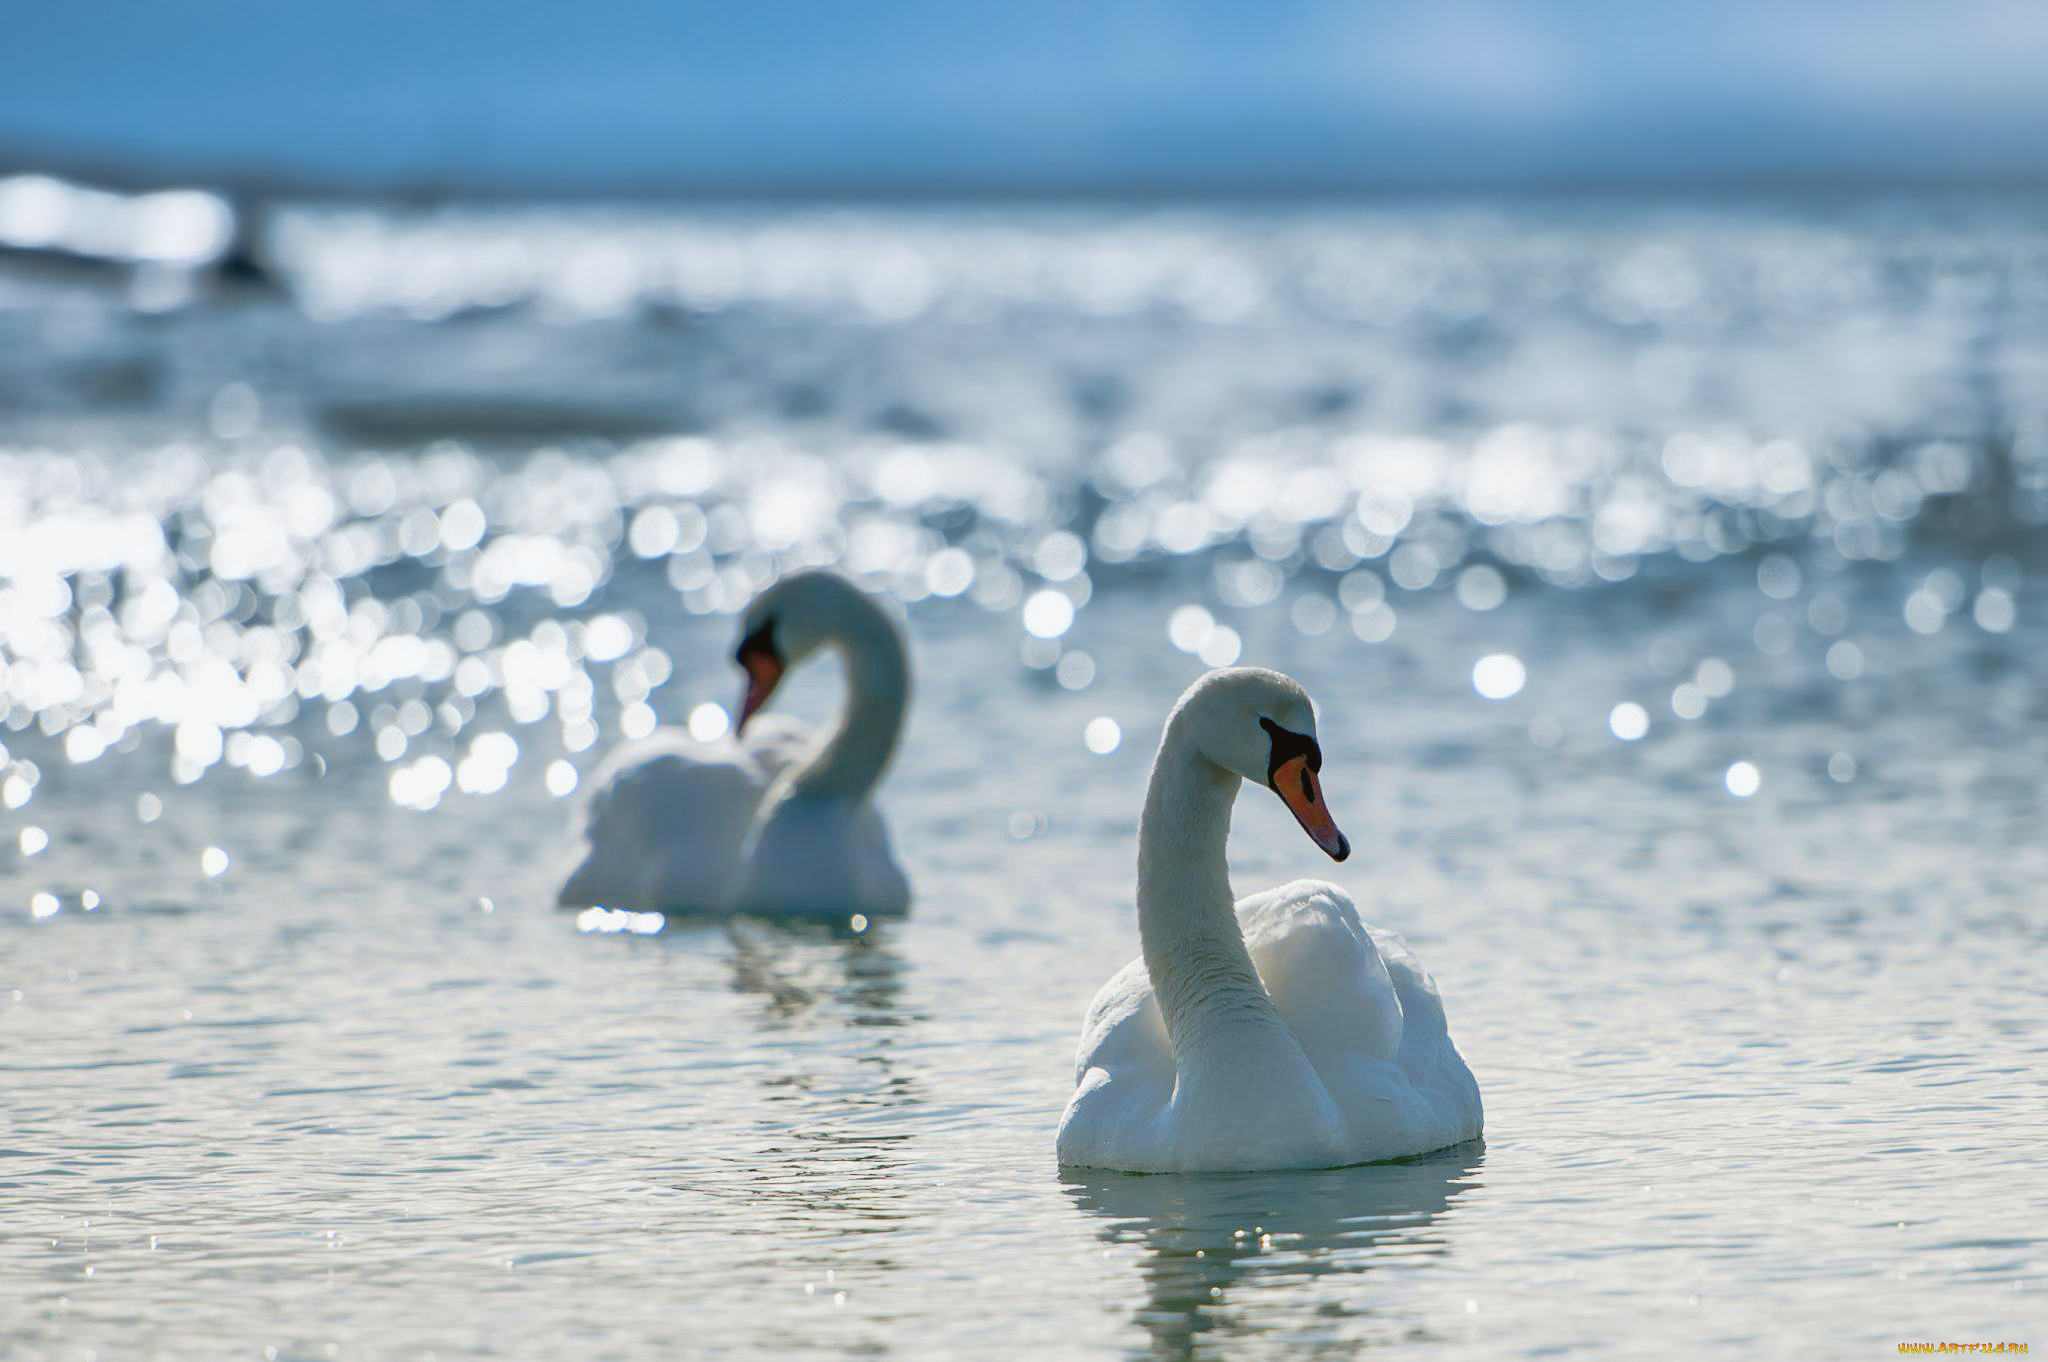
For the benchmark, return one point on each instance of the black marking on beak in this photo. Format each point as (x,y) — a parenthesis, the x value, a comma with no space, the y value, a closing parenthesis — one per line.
(761,642)
(1287,745)
(762,661)
(1291,774)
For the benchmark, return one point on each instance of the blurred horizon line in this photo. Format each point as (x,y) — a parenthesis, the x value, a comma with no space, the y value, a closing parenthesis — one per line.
(248,181)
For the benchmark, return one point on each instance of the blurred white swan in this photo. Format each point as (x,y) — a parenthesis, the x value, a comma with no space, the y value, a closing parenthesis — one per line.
(777,819)
(1283,1034)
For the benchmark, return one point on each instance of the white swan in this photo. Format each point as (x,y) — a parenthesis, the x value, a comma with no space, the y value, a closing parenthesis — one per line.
(774,820)
(1285,1034)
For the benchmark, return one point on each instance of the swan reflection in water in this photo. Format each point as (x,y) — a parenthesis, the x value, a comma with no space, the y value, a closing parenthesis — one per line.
(1215,1244)
(816,1156)
(794,964)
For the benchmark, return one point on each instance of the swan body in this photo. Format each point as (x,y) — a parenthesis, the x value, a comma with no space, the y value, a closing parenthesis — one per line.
(777,819)
(1277,1032)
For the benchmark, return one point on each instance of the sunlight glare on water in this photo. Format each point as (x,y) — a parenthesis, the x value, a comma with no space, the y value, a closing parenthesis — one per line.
(1676,656)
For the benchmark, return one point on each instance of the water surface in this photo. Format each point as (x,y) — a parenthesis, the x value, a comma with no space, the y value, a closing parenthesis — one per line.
(314,609)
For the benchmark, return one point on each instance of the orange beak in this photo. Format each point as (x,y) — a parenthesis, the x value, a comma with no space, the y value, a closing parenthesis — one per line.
(764,673)
(1302,793)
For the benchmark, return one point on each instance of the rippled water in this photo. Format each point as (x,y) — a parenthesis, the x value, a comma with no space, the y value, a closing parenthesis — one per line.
(313,608)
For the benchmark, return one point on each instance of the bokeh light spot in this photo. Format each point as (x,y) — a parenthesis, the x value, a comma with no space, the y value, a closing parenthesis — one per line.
(561,778)
(1742,779)
(1995,612)
(1628,721)
(1481,587)
(1189,627)
(1221,648)
(709,722)
(1498,676)
(1048,614)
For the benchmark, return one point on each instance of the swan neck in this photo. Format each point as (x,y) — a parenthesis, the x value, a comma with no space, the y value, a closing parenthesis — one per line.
(1194,950)
(878,690)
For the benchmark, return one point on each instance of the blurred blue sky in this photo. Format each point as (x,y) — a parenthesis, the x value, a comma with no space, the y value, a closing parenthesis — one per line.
(784,95)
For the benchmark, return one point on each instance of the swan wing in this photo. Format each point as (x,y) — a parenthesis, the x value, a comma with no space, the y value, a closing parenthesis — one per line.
(1124,1033)
(1123,1078)
(1437,1074)
(664,823)
(821,856)
(1367,1015)
(1322,971)
(776,743)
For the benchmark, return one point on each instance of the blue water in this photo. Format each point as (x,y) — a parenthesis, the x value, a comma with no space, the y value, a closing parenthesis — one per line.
(315,608)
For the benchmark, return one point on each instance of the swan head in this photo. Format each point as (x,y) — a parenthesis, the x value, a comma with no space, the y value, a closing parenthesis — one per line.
(791,620)
(1260,725)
